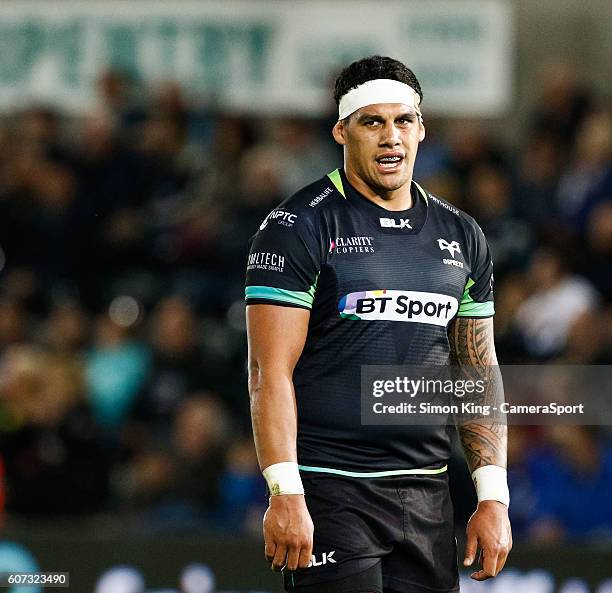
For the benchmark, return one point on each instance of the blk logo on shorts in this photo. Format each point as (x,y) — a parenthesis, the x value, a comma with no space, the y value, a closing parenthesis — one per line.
(326,558)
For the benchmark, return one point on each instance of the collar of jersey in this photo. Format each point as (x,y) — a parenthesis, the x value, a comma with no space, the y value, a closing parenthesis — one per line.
(417,215)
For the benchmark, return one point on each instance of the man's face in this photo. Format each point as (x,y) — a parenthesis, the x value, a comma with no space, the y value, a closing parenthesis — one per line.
(380,143)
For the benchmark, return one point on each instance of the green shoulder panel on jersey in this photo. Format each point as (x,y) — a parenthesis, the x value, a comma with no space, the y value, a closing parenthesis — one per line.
(317,193)
(336,179)
(470,308)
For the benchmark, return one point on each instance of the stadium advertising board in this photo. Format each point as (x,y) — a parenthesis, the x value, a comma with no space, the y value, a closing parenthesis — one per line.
(255,55)
(162,562)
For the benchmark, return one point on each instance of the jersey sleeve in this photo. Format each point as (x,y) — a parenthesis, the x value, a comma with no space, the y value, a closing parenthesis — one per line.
(477,300)
(284,261)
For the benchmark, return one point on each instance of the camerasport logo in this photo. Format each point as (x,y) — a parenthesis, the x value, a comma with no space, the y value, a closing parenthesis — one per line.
(399,305)
(281,216)
(265,260)
(357,244)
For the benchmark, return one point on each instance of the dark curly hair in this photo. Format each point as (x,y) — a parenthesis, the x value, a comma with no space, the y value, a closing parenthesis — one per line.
(372,68)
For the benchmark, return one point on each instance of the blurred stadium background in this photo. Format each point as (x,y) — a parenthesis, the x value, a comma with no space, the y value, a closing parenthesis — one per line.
(142,143)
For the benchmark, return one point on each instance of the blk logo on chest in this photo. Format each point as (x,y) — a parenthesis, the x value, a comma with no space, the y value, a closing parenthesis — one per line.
(326,558)
(391,223)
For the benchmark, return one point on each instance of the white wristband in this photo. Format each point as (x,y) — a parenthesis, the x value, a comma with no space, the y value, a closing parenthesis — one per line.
(491,483)
(283,478)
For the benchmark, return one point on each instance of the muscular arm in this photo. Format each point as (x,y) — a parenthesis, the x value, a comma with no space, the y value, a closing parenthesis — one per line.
(473,350)
(484,440)
(276,337)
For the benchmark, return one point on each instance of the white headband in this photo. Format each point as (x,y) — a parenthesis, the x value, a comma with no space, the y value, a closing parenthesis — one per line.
(381,90)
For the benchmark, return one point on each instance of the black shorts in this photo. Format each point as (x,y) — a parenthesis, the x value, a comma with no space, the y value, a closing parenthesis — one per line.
(371,534)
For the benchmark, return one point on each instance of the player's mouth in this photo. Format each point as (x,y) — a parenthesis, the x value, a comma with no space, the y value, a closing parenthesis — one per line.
(390,161)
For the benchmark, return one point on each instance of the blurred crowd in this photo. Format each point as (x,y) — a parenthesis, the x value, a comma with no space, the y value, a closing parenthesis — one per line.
(123,237)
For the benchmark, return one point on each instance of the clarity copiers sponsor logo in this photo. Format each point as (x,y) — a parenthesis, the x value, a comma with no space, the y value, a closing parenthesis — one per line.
(399,305)
(355,244)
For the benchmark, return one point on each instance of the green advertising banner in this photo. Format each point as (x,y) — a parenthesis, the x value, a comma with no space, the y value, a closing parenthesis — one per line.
(254,55)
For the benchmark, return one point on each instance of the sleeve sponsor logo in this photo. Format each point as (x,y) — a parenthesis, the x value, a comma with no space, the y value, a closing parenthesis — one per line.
(314,202)
(399,305)
(265,260)
(281,216)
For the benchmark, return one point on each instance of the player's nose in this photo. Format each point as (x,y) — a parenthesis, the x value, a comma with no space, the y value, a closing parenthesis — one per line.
(389,135)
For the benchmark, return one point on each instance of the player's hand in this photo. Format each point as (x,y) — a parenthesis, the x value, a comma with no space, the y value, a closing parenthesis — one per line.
(288,532)
(489,530)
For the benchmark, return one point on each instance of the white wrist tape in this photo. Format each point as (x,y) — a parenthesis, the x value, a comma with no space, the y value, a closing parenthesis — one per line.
(283,478)
(491,483)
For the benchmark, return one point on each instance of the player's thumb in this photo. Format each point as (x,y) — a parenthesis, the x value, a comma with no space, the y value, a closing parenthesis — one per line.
(471,546)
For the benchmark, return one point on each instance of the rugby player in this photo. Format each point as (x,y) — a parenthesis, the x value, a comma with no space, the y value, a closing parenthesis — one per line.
(365,267)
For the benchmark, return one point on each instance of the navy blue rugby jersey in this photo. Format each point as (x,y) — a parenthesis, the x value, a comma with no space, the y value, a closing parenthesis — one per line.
(382,288)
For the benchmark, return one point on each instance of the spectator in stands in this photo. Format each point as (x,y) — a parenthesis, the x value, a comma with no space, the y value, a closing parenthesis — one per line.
(55,462)
(470,147)
(243,499)
(116,370)
(66,328)
(178,365)
(573,487)
(522,441)
(558,297)
(598,264)
(177,483)
(563,103)
(13,322)
(588,340)
(302,154)
(490,201)
(538,174)
(588,179)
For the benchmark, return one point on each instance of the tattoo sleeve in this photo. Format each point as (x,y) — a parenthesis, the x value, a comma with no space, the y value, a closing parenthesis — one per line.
(472,350)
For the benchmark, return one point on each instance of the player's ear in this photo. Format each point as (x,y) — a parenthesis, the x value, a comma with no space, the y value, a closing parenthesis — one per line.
(421,129)
(339,132)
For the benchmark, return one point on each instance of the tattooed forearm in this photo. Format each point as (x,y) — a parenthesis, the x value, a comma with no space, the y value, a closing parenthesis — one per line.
(484,438)
(471,342)
(484,443)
